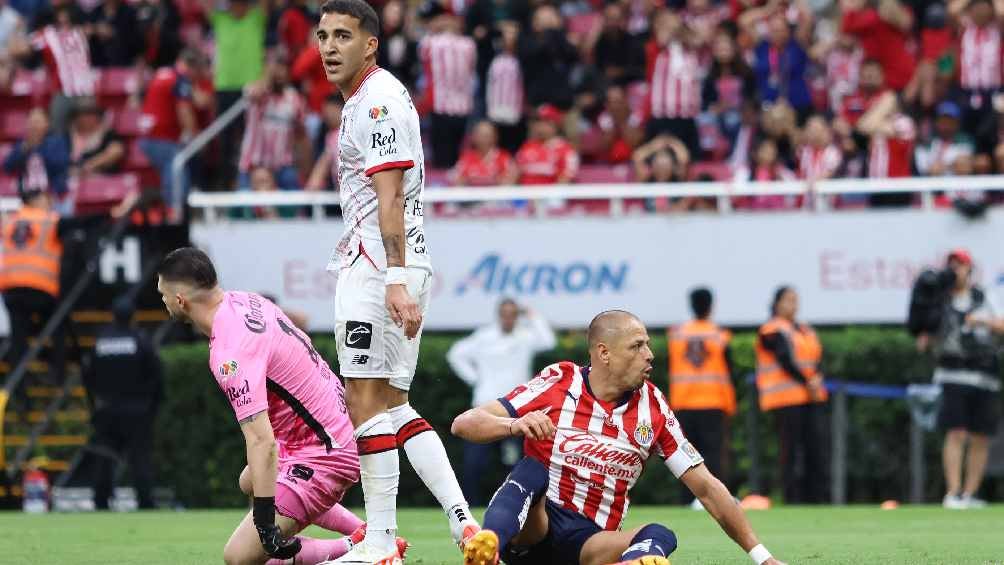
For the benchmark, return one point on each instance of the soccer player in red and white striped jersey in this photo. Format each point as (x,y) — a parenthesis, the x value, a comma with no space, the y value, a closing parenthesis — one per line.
(273,128)
(588,433)
(449,60)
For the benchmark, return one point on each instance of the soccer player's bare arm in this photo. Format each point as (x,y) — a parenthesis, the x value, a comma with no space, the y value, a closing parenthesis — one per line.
(491,422)
(718,501)
(262,454)
(389,187)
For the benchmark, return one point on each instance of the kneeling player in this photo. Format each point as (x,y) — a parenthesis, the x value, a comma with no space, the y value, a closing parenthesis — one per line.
(301,456)
(589,431)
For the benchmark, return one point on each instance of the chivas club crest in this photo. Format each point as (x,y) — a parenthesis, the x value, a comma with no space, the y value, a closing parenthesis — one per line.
(643,434)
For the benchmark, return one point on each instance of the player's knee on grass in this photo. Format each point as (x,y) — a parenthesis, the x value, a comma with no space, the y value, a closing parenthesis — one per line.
(244,481)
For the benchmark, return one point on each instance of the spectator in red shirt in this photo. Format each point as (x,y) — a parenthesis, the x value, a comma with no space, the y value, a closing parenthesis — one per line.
(981,43)
(890,155)
(484,163)
(547,158)
(884,32)
(674,81)
(622,127)
(871,85)
(170,114)
(294,27)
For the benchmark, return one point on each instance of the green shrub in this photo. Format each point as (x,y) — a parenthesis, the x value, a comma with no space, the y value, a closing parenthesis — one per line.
(200,450)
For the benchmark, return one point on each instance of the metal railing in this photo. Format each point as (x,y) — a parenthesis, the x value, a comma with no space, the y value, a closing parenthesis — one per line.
(817,194)
(196,145)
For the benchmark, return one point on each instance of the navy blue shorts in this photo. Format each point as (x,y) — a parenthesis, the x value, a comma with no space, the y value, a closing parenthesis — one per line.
(567,532)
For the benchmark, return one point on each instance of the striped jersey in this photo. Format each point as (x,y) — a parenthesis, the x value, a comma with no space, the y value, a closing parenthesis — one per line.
(379,132)
(600,448)
(67,57)
(980,57)
(270,131)
(449,61)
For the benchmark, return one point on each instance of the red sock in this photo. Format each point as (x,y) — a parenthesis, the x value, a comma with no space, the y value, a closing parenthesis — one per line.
(339,519)
(316,551)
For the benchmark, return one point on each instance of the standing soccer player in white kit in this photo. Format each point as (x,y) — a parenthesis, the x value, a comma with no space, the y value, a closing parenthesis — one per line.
(384,279)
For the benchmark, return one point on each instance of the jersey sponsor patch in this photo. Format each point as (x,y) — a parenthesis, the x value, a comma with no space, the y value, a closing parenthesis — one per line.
(378,112)
(229,369)
(358,335)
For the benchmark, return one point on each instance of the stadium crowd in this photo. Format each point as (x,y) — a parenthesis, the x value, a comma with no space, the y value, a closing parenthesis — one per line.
(513,91)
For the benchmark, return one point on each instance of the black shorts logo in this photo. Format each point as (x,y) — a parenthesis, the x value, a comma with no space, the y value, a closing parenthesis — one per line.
(360,359)
(358,335)
(301,472)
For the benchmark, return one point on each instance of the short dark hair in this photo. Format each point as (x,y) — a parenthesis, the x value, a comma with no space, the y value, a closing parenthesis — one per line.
(778,294)
(700,302)
(358,9)
(190,265)
(507,301)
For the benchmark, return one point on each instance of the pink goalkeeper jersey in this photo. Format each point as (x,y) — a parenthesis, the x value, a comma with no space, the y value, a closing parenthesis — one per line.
(263,362)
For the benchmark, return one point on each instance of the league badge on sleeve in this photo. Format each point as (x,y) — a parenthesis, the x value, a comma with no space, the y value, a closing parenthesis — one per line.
(644,434)
(229,369)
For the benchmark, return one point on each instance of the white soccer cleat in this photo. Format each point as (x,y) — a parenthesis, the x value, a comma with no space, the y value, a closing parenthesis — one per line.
(364,554)
(696,504)
(972,502)
(954,502)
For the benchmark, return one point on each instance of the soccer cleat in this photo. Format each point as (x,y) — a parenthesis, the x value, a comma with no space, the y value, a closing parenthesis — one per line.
(357,536)
(363,554)
(482,548)
(402,547)
(971,502)
(646,560)
(954,502)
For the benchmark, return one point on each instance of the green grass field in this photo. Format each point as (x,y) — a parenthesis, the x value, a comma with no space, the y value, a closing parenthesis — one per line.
(855,535)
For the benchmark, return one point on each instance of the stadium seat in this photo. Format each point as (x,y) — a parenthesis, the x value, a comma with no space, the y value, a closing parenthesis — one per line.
(98,191)
(135,158)
(717,170)
(5,149)
(13,124)
(130,121)
(8,185)
(114,81)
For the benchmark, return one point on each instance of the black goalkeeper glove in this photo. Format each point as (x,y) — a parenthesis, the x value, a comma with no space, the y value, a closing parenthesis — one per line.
(272,541)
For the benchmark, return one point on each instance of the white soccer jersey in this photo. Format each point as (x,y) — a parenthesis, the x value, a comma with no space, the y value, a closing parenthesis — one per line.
(379,131)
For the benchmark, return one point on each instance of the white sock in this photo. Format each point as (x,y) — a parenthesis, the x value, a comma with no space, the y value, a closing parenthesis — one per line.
(427,455)
(379,474)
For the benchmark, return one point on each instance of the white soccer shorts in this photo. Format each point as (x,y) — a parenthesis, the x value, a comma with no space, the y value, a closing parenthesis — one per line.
(370,345)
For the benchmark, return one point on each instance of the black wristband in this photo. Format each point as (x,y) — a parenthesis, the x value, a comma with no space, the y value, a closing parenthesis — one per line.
(263,511)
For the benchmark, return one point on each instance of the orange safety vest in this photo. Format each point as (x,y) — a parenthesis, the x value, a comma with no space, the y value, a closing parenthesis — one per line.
(698,373)
(30,251)
(777,388)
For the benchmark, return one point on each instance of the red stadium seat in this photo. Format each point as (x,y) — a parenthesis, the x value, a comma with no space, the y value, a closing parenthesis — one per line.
(131,122)
(30,84)
(13,125)
(105,189)
(118,82)
(604,174)
(5,149)
(135,158)
(8,185)
(718,170)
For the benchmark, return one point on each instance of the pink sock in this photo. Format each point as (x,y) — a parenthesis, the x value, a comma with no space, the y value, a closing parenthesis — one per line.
(316,551)
(338,519)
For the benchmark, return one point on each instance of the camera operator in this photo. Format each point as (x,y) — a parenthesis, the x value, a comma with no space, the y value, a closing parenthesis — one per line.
(965,347)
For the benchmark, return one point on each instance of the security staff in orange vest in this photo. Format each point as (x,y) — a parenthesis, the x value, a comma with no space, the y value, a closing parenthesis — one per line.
(30,256)
(701,393)
(790,385)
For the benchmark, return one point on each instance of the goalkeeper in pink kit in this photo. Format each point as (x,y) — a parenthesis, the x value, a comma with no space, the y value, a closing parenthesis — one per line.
(301,456)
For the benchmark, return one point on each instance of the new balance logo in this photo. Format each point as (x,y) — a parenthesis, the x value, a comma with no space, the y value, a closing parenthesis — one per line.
(360,359)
